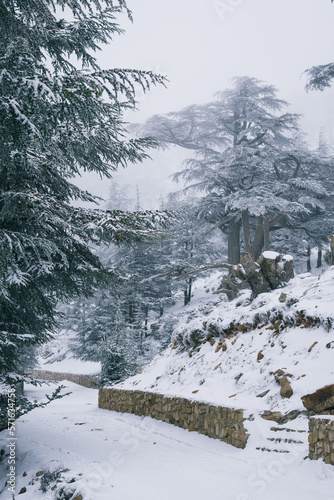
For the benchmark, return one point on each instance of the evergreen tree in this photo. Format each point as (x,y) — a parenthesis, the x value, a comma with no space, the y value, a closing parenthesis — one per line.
(125,325)
(129,307)
(193,243)
(320,77)
(56,120)
(250,165)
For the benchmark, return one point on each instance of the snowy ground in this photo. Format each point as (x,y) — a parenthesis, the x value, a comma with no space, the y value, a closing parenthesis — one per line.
(104,455)
(111,456)
(56,356)
(234,376)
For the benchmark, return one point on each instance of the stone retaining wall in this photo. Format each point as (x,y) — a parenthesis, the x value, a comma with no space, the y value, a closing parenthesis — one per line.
(321,439)
(226,424)
(89,381)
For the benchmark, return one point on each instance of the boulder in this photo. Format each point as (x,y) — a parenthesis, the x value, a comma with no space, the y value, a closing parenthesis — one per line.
(234,282)
(287,273)
(321,400)
(286,389)
(276,268)
(253,275)
(282,378)
(282,298)
(271,271)
(276,416)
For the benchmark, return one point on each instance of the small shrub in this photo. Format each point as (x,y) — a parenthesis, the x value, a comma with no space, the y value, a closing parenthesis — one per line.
(196,337)
(65,493)
(213,330)
(48,478)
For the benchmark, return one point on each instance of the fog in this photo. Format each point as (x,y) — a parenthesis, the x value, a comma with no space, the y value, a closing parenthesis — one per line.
(200,45)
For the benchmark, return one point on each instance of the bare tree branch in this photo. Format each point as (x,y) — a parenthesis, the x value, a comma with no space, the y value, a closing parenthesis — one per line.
(206,268)
(216,226)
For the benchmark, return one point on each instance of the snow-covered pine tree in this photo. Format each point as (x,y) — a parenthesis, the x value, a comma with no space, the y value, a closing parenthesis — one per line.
(320,77)
(193,243)
(146,286)
(59,114)
(249,163)
(137,297)
(118,351)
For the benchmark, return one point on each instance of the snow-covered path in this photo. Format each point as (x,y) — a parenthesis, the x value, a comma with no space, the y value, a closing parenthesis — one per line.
(125,457)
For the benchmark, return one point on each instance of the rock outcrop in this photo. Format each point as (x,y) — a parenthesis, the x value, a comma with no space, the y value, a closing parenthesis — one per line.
(321,400)
(282,378)
(271,271)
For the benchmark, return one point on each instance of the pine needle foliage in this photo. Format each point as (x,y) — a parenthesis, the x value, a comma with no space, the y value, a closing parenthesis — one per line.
(60,114)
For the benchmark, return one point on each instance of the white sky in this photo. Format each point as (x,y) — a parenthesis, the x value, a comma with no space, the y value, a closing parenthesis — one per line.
(201,44)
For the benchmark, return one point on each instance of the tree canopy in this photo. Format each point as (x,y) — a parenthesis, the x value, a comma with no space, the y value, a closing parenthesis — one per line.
(320,77)
(251,165)
(60,114)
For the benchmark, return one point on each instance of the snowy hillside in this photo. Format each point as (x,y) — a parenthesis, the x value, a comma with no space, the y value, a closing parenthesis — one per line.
(56,356)
(227,354)
(223,352)
(88,453)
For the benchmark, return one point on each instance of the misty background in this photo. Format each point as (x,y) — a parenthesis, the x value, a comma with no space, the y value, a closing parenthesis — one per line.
(199,45)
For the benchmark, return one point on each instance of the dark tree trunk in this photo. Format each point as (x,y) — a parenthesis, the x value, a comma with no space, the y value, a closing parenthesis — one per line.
(319,259)
(233,234)
(187,292)
(146,320)
(189,289)
(141,341)
(246,231)
(258,241)
(309,259)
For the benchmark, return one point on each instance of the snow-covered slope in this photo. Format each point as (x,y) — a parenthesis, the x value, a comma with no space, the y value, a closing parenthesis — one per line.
(81,451)
(56,356)
(291,328)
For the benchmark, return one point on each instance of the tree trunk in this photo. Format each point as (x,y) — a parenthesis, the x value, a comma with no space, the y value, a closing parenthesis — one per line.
(233,245)
(246,231)
(141,342)
(309,258)
(266,232)
(331,239)
(258,241)
(189,289)
(146,310)
(187,292)
(319,259)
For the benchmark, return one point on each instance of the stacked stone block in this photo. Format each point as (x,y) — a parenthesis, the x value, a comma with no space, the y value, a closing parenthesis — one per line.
(321,439)
(226,424)
(85,380)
